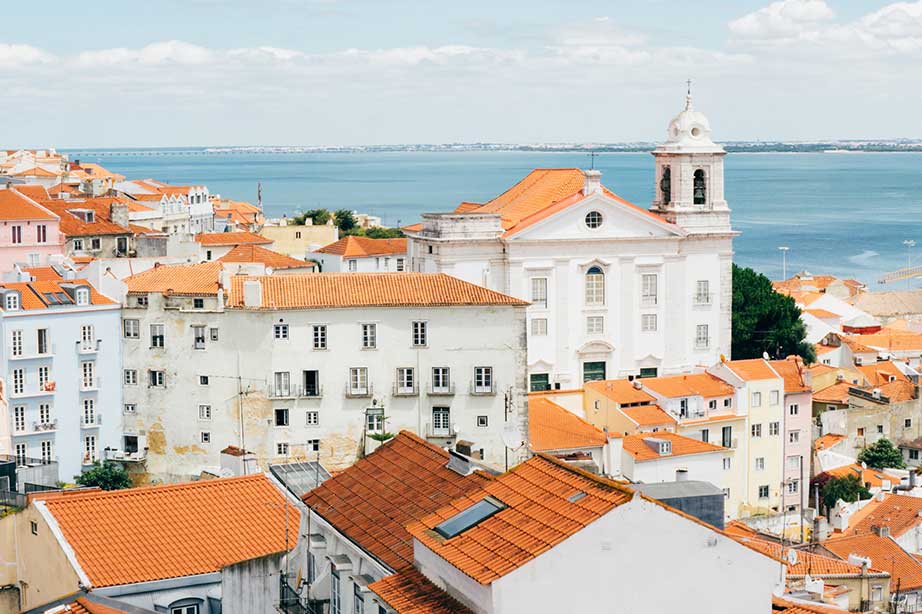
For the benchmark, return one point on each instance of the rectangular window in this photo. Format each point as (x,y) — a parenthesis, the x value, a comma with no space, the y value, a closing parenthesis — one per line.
(335,607)
(22,453)
(763,491)
(705,435)
(369,336)
(860,430)
(88,371)
(420,334)
(358,602)
(87,337)
(16,343)
(78,245)
(203,380)
(282,384)
(703,292)
(793,487)
(880,428)
(756,430)
(539,291)
(131,329)
(406,381)
(728,402)
(793,436)
(648,323)
(214,333)
(281,417)
(41,234)
(156,378)
(89,412)
(539,327)
(794,463)
(401,266)
(313,445)
(19,381)
(17,234)
(142,301)
(89,449)
(760,463)
(702,338)
(374,423)
(205,437)
(727,464)
(353,266)
(907,423)
(441,421)
(440,379)
(358,380)
(204,412)
(593,371)
(198,335)
(757,399)
(773,397)
(311,383)
(280,331)
(595,287)
(130,408)
(595,325)
(648,289)
(483,421)
(47,448)
(913,455)
(793,409)
(156,335)
(95,243)
(19,418)
(320,337)
(313,417)
(44,411)
(483,379)
(774,428)
(43,345)
(712,404)
(198,303)
(281,449)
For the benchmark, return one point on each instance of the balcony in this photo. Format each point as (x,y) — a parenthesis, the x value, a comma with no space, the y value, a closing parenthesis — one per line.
(40,427)
(138,456)
(702,343)
(86,348)
(358,392)
(45,390)
(443,390)
(437,432)
(89,422)
(702,299)
(483,389)
(90,384)
(36,355)
(295,392)
(648,300)
(89,459)
(405,391)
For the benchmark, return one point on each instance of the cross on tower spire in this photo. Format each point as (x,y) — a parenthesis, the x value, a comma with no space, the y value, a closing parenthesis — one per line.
(592,156)
(688,98)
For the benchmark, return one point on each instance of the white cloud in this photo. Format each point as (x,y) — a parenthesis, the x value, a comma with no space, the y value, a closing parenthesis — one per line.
(19,55)
(167,52)
(781,20)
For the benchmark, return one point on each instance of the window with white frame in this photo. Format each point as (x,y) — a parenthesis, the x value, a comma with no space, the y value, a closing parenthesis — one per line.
(12,301)
(369,336)
(648,289)
(89,449)
(47,451)
(539,291)
(793,487)
(41,233)
(726,463)
(205,437)
(16,343)
(441,381)
(595,325)
(358,601)
(773,397)
(703,292)
(281,416)
(793,436)
(483,421)
(756,430)
(156,379)
(794,462)
(281,448)
(44,376)
(760,463)
(374,422)
(282,380)
(16,237)
(83,296)
(42,341)
(358,380)
(89,412)
(794,409)
(320,337)
(22,453)
(483,379)
(757,399)
(78,245)
(353,266)
(313,417)
(213,332)
(335,595)
(763,491)
(19,418)
(130,408)
(401,266)
(702,337)
(774,428)
(420,334)
(19,381)
(313,445)
(198,336)
(595,286)
(131,329)
(406,380)
(44,413)
(87,337)
(204,412)
(157,336)
(280,331)
(648,323)
(539,327)
(88,371)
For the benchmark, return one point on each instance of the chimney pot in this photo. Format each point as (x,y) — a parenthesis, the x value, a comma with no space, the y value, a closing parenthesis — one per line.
(252,294)
(593,182)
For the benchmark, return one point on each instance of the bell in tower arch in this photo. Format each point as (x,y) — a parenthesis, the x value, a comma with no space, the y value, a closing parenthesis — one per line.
(665,185)
(699,188)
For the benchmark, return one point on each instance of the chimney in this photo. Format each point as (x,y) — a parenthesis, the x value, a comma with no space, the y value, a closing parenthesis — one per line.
(118,213)
(821,528)
(638,384)
(459,463)
(881,531)
(876,393)
(593,183)
(840,377)
(252,294)
(681,475)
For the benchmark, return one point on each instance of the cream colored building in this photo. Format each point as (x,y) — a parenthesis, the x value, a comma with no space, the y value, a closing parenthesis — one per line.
(299,240)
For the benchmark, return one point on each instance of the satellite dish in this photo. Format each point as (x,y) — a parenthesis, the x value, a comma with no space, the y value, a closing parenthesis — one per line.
(792,556)
(766,356)
(512,438)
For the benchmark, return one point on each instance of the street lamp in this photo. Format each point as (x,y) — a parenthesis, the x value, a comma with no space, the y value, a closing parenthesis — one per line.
(784,261)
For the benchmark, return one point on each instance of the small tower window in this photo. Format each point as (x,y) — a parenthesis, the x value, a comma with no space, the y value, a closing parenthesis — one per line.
(700,190)
(665,185)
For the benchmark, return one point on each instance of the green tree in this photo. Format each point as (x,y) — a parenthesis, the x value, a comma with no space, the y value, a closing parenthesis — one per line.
(318,216)
(848,488)
(107,475)
(765,321)
(379,232)
(344,220)
(882,455)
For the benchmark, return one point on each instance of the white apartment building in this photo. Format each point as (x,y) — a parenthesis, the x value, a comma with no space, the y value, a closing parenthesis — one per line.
(615,289)
(172,209)
(362,255)
(296,366)
(61,359)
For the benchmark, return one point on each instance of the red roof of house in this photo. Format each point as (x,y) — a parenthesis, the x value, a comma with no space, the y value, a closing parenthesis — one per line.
(884,553)
(232,238)
(15,205)
(551,427)
(33,293)
(255,253)
(360,247)
(410,592)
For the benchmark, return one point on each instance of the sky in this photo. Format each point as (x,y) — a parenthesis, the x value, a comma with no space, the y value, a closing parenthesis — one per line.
(111,73)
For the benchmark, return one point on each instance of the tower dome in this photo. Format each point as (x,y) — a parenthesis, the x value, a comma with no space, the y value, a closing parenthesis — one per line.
(690,131)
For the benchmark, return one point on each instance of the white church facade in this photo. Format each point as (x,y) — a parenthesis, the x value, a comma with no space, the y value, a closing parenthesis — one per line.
(615,290)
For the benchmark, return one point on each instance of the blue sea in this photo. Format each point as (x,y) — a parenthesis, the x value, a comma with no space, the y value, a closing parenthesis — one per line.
(842,214)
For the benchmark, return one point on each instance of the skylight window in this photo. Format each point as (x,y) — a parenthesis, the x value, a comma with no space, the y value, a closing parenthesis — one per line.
(469,518)
(576,496)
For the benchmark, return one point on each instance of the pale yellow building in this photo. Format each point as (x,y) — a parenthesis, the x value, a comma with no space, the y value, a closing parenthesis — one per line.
(299,240)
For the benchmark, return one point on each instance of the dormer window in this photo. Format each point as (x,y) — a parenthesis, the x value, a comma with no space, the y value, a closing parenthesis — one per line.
(83,296)
(665,448)
(11,303)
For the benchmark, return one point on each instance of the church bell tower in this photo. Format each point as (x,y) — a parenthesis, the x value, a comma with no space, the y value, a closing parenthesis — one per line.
(689,190)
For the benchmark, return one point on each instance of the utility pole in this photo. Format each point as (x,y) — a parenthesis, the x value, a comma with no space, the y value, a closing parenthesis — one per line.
(784,261)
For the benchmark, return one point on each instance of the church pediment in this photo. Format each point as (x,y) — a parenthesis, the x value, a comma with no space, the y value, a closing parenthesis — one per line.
(596,347)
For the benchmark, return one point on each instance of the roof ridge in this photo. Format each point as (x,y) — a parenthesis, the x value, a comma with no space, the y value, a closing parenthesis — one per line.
(143,490)
(601,481)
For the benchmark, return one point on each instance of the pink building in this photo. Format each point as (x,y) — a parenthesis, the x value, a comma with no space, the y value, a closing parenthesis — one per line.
(29,233)
(798,408)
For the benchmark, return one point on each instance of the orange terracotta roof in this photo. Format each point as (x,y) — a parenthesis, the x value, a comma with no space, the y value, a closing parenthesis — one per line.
(856,345)
(636,445)
(71,225)
(888,339)
(255,253)
(344,290)
(874,477)
(786,606)
(882,372)
(35,171)
(898,512)
(180,279)
(821,349)
(736,528)
(98,172)
(464,207)
(160,532)
(792,371)
(898,391)
(85,606)
(32,293)
(412,227)
(884,553)
(837,393)
(17,206)
(410,592)
(648,415)
(807,563)
(372,501)
(752,369)
(546,501)
(819,368)
(695,384)
(63,188)
(361,247)
(35,192)
(232,238)
(827,441)
(822,313)
(552,427)
(43,273)
(620,391)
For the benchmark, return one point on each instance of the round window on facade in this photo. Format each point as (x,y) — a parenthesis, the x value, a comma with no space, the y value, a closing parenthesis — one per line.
(593,219)
(696,131)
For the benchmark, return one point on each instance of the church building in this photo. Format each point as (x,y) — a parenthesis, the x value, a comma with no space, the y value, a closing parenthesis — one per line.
(616,290)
